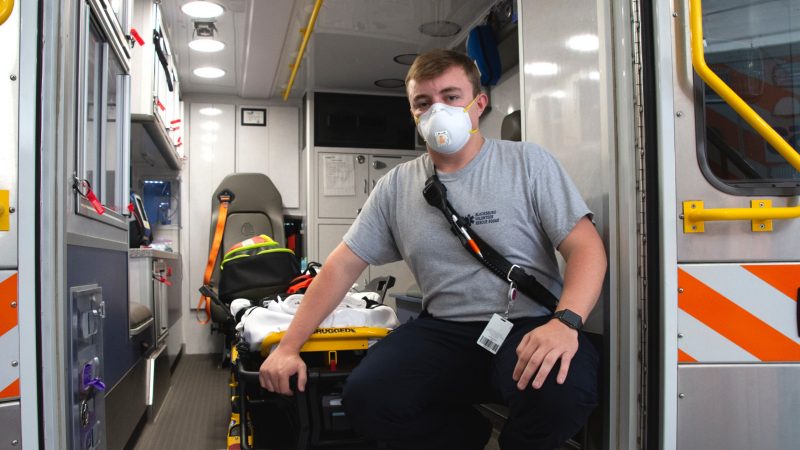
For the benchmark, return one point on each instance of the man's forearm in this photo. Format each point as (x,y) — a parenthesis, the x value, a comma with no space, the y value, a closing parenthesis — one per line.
(323,295)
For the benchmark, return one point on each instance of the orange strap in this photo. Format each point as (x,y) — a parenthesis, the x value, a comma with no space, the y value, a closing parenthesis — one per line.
(222,217)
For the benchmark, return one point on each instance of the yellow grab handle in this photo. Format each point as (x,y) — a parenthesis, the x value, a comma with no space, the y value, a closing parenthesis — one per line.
(727,94)
(6,6)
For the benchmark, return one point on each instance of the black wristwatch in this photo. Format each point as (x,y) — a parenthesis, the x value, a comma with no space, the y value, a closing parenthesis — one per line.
(569,318)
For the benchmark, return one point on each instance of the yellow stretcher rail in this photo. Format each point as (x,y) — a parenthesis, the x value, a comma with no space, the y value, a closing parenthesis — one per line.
(6,6)
(331,339)
(727,94)
(306,36)
(760,213)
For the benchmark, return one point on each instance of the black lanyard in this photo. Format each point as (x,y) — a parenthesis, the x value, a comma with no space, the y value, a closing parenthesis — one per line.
(435,194)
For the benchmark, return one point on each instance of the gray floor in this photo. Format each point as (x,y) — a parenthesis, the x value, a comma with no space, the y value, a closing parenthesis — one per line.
(196,411)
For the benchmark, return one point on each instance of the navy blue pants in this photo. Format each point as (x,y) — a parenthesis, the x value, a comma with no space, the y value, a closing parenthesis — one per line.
(416,389)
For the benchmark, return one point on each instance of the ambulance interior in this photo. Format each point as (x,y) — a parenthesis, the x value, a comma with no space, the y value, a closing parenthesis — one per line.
(310,94)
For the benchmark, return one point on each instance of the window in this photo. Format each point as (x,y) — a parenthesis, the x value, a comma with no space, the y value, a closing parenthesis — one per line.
(103,134)
(754,47)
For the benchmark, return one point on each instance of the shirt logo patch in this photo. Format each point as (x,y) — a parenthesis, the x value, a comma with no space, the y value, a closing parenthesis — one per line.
(483,217)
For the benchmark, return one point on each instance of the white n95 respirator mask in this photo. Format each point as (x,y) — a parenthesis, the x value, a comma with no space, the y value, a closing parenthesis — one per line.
(445,128)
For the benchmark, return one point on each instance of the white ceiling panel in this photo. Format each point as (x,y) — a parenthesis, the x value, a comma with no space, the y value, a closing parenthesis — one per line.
(353,44)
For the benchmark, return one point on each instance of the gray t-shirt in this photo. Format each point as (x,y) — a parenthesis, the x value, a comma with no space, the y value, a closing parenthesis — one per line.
(517,198)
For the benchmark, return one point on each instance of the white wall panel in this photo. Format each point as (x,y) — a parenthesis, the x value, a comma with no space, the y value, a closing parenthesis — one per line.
(566,102)
(211,155)
(252,144)
(504,99)
(283,124)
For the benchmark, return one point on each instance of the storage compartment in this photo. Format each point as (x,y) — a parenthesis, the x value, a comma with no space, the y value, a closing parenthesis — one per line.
(362,121)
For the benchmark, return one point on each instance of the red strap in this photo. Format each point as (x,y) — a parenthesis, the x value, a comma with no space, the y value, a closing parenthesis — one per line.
(135,35)
(222,217)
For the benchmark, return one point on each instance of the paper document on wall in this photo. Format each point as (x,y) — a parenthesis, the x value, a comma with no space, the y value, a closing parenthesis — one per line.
(338,175)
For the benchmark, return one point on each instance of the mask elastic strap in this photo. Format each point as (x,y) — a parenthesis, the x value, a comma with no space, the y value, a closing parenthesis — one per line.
(466,108)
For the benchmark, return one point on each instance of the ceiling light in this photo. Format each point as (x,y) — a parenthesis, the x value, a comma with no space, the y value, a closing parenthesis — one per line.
(206,45)
(405,59)
(583,43)
(390,83)
(440,28)
(210,111)
(202,9)
(209,72)
(539,69)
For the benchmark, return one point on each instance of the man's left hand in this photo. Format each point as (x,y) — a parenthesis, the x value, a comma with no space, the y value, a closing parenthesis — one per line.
(539,351)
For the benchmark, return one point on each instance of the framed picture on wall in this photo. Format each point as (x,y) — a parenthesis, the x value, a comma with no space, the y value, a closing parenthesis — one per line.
(254,117)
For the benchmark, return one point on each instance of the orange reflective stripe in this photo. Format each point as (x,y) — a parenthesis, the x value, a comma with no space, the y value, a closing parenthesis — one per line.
(783,277)
(734,322)
(685,357)
(12,390)
(8,294)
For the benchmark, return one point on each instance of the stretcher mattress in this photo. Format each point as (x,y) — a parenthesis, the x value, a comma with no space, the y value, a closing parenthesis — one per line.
(355,310)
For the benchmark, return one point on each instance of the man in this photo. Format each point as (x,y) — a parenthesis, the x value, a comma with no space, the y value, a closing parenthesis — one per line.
(416,387)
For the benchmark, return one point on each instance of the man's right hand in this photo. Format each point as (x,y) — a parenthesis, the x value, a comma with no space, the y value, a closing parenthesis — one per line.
(276,370)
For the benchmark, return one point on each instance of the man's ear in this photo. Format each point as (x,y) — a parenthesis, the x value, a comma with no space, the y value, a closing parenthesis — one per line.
(482,102)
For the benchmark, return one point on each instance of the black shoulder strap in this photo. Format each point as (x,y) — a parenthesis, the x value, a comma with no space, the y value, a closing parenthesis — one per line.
(435,194)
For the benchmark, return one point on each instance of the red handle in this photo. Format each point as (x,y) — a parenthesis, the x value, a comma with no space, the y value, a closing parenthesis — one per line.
(136,36)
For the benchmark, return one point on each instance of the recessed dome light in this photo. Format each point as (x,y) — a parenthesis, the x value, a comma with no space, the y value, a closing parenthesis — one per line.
(210,111)
(209,72)
(440,28)
(206,45)
(405,59)
(390,83)
(202,9)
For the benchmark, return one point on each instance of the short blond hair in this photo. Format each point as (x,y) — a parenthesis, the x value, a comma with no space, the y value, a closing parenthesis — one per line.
(430,65)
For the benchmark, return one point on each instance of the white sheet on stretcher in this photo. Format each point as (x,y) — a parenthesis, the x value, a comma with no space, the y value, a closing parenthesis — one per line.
(258,322)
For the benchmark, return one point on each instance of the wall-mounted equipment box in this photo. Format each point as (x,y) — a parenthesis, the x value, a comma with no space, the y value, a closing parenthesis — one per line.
(155,92)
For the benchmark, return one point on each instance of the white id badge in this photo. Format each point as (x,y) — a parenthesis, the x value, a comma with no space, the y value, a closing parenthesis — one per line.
(495,333)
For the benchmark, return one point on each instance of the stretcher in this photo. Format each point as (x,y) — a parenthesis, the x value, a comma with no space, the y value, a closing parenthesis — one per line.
(307,420)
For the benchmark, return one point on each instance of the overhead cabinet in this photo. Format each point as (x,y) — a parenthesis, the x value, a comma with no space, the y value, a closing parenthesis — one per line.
(156,104)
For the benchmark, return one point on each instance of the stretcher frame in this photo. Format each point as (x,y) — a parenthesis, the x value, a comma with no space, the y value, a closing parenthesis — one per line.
(308,405)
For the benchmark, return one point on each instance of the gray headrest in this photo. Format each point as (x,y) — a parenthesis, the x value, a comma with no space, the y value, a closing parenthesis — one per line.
(511,128)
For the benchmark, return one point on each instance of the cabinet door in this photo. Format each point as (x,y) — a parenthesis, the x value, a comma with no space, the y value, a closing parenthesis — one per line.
(381,165)
(343,185)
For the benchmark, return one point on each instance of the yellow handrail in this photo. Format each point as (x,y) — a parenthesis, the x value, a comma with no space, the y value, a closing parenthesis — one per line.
(6,6)
(306,36)
(761,213)
(727,94)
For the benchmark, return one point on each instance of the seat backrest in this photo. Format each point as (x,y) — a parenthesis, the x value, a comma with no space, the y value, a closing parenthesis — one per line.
(256,208)
(511,127)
